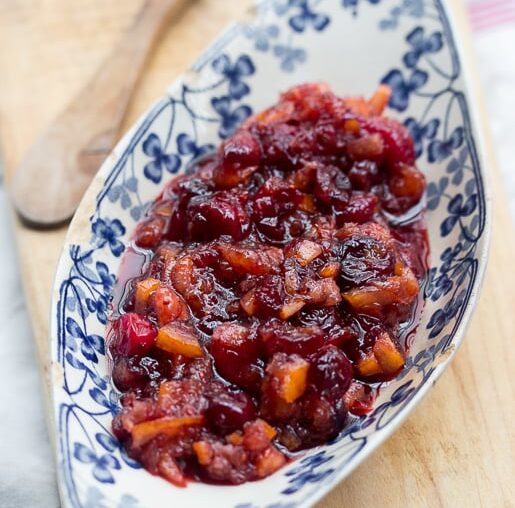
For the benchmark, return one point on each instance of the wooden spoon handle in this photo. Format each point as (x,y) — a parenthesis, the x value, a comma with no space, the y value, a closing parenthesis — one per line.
(105,98)
(53,176)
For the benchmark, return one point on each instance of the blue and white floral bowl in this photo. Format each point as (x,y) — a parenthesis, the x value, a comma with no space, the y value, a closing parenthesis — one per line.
(353,45)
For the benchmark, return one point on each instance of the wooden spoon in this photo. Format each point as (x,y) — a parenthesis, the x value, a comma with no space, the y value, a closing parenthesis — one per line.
(51,179)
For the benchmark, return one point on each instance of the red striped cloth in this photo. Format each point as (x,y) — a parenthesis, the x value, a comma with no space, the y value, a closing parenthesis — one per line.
(488,14)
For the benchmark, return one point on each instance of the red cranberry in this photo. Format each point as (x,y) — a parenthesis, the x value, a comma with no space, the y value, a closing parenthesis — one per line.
(135,335)
(219,214)
(279,337)
(332,186)
(275,198)
(240,151)
(227,412)
(364,175)
(331,373)
(360,208)
(329,321)
(235,352)
(270,295)
(363,258)
(398,142)
(150,232)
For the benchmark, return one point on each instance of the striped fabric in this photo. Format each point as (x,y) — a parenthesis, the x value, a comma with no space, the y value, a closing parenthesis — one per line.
(488,14)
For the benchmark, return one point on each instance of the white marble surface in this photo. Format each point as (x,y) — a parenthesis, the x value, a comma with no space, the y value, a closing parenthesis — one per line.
(27,473)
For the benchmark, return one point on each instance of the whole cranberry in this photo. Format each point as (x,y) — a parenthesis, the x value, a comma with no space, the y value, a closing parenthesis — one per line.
(240,151)
(279,337)
(134,335)
(331,373)
(396,138)
(222,213)
(128,374)
(332,186)
(363,258)
(227,412)
(360,208)
(235,351)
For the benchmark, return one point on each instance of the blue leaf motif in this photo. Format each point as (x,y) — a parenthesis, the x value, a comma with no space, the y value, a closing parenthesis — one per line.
(402,88)
(439,150)
(421,45)
(289,56)
(307,17)
(421,132)
(230,119)
(108,442)
(235,73)
(106,232)
(161,161)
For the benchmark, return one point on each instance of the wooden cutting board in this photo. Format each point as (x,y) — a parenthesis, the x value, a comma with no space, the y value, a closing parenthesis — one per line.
(457,449)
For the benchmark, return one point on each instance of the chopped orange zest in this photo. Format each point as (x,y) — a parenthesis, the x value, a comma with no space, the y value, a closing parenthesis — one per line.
(235,438)
(143,432)
(385,358)
(378,102)
(351,126)
(291,308)
(269,461)
(388,354)
(179,338)
(329,269)
(270,432)
(204,452)
(144,288)
(366,147)
(306,251)
(293,380)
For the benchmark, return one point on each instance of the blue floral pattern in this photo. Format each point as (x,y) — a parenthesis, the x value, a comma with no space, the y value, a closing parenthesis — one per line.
(153,170)
(92,465)
(235,73)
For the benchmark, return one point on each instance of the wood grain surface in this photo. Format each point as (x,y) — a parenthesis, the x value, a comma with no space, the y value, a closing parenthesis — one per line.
(457,449)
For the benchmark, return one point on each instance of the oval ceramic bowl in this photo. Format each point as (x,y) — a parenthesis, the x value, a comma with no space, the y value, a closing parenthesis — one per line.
(353,45)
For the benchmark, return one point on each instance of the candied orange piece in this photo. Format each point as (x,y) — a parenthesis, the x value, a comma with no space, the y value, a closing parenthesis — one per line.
(366,147)
(168,306)
(143,432)
(408,181)
(269,461)
(369,366)
(179,338)
(204,452)
(388,354)
(144,288)
(292,378)
(255,261)
(257,435)
(305,251)
(378,102)
(397,289)
(234,438)
(385,358)
(352,126)
(290,308)
(357,105)
(330,269)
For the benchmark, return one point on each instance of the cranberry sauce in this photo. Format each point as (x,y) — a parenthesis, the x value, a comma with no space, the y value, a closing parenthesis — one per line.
(271,289)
